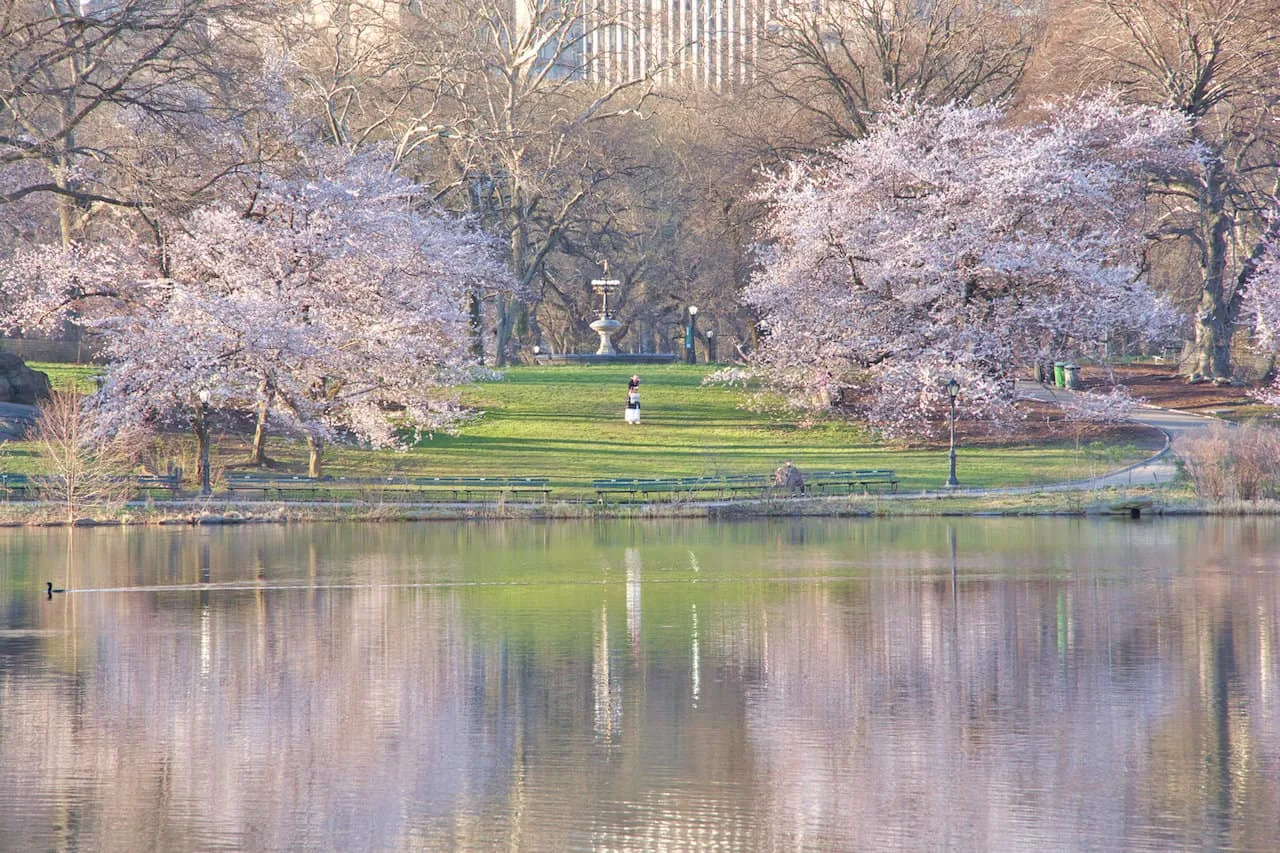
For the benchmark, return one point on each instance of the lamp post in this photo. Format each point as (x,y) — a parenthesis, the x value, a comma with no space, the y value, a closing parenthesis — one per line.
(953,391)
(711,346)
(202,441)
(688,335)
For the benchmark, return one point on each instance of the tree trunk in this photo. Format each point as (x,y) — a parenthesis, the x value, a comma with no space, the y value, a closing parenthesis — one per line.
(1213,341)
(315,447)
(200,420)
(1214,323)
(258,452)
(477,329)
(502,329)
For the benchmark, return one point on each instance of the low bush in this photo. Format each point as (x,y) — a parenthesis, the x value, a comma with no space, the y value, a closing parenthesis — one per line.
(1234,462)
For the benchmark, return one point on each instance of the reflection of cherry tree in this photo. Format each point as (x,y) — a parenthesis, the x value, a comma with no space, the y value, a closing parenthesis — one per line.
(893,722)
(1117,703)
(328,297)
(949,243)
(231,704)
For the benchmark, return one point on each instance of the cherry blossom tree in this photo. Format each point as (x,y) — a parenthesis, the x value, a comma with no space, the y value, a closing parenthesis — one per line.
(329,298)
(1262,301)
(952,243)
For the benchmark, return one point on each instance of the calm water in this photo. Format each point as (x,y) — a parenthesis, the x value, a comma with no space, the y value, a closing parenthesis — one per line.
(816,685)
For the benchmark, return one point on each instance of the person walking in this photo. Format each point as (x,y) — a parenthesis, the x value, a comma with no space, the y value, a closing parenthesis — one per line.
(632,413)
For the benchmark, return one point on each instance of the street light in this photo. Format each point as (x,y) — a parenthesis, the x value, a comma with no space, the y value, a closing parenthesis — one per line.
(202,442)
(688,335)
(711,346)
(953,391)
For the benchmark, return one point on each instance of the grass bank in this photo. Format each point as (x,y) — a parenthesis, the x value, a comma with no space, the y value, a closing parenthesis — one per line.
(1154,501)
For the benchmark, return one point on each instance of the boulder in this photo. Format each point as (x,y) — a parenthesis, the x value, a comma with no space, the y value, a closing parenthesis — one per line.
(16,420)
(19,383)
(789,478)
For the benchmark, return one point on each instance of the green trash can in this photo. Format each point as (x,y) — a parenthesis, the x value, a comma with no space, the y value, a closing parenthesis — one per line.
(1071,377)
(1059,374)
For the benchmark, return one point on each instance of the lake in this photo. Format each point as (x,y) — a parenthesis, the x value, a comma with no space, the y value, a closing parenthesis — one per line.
(919,684)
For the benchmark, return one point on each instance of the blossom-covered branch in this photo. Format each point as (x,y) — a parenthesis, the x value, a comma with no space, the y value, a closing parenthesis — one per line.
(952,243)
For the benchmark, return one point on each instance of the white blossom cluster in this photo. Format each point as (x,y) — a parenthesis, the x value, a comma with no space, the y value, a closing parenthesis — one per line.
(1263,303)
(952,243)
(334,294)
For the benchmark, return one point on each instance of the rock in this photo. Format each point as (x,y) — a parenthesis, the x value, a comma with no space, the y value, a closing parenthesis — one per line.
(789,478)
(19,383)
(16,420)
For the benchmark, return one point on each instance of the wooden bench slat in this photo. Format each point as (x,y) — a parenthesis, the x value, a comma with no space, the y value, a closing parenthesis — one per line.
(458,488)
(817,481)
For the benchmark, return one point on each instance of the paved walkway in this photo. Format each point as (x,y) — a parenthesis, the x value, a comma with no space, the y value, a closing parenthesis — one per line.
(1159,468)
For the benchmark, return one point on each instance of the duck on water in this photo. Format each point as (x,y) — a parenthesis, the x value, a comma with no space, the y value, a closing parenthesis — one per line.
(50,589)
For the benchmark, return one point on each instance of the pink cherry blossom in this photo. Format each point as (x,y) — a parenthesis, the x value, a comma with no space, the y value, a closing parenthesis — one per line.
(952,242)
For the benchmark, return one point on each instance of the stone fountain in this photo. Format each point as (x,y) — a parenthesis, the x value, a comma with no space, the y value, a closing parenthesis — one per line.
(606,325)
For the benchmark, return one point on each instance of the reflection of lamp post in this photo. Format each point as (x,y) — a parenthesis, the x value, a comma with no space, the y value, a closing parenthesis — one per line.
(711,346)
(953,391)
(202,442)
(688,335)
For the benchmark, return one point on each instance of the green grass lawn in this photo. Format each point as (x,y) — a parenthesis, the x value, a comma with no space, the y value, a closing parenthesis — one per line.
(565,423)
(69,376)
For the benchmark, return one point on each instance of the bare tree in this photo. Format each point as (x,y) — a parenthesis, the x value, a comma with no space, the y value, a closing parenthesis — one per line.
(71,73)
(1215,61)
(677,223)
(491,104)
(833,64)
(88,469)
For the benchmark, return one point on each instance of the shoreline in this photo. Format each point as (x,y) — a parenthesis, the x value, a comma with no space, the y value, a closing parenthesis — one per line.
(1127,503)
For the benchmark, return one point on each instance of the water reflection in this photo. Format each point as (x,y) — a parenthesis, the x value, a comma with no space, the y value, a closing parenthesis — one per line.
(974,684)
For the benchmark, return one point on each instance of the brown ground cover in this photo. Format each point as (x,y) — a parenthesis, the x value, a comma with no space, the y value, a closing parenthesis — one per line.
(1153,383)
(1160,385)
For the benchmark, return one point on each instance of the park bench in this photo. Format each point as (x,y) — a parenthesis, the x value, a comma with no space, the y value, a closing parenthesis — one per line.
(15,485)
(423,488)
(471,488)
(25,486)
(277,484)
(746,484)
(877,477)
(170,482)
(845,482)
(634,487)
(675,488)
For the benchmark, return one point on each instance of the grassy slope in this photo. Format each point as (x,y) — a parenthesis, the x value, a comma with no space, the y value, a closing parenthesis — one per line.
(566,423)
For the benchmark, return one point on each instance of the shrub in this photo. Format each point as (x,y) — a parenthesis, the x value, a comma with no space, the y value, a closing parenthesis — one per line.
(1234,462)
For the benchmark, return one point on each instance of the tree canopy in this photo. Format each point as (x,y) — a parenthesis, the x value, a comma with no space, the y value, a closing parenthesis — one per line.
(330,294)
(952,243)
